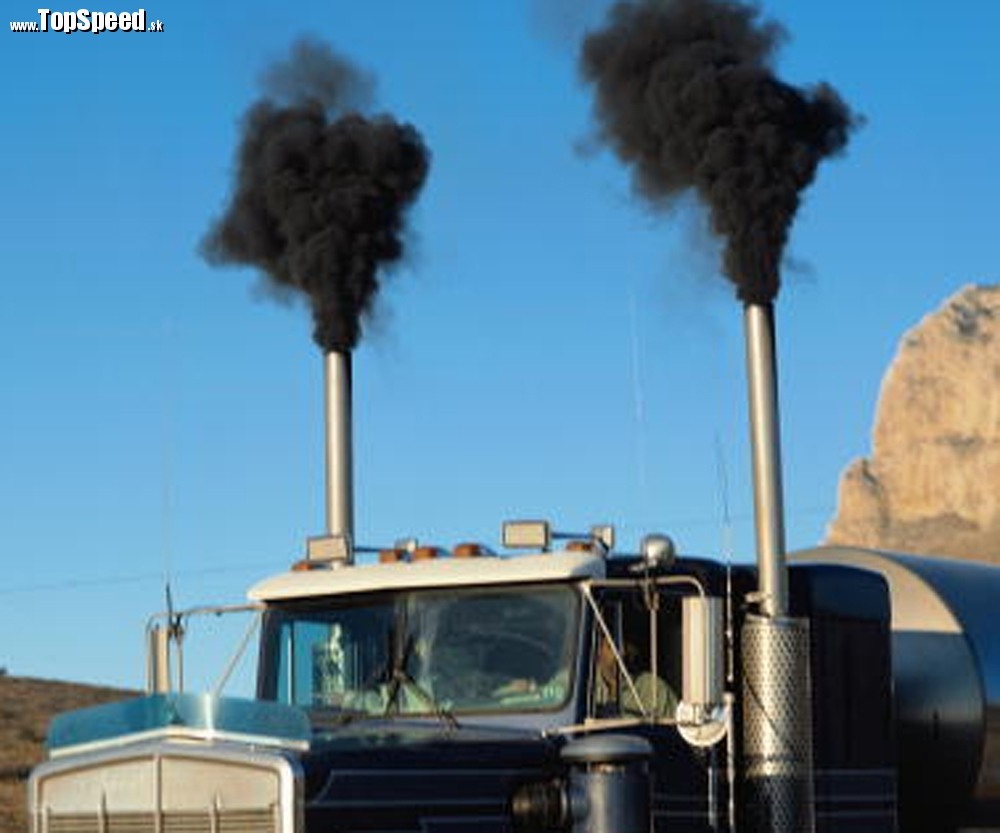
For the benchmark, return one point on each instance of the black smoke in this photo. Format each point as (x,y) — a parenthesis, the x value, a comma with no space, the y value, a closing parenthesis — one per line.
(321,191)
(686,95)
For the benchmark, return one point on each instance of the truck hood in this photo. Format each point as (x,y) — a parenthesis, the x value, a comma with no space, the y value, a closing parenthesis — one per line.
(396,775)
(196,760)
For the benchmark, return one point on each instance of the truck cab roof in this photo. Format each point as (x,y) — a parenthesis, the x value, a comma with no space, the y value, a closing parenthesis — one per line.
(433,572)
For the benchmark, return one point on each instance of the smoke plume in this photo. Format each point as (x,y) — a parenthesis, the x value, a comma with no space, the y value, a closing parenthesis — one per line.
(685,94)
(321,190)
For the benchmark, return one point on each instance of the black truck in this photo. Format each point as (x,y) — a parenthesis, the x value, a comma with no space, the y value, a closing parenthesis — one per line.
(570,688)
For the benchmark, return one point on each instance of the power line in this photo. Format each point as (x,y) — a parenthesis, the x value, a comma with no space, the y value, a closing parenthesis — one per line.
(80,583)
(137,578)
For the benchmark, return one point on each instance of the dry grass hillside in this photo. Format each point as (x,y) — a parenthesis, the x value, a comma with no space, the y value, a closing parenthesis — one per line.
(26,707)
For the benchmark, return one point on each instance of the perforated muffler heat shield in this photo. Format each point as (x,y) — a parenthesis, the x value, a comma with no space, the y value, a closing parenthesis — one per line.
(777,726)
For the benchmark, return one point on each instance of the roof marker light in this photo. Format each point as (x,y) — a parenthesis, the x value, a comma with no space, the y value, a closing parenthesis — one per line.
(424,553)
(306,565)
(392,556)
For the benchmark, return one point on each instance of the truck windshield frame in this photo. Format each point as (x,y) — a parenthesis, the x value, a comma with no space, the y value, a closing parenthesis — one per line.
(451,651)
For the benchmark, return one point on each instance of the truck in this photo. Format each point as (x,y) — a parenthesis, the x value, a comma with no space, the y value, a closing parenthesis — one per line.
(464,690)
(556,683)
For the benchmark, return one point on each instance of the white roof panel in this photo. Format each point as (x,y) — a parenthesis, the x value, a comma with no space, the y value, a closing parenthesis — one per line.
(437,572)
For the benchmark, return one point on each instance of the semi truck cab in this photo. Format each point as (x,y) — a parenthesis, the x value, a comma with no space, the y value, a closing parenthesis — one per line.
(569,689)
(540,641)
(437,688)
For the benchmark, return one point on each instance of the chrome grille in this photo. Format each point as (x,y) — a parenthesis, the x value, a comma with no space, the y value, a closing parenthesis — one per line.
(226,821)
(131,823)
(74,823)
(185,823)
(246,821)
(169,788)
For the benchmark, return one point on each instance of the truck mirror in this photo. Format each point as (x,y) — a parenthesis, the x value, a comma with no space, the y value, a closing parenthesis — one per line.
(158,659)
(704,661)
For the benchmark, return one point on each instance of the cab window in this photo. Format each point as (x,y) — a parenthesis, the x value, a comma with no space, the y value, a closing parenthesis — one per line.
(625,680)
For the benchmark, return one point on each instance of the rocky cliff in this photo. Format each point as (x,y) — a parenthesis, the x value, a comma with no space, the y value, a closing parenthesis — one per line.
(932,482)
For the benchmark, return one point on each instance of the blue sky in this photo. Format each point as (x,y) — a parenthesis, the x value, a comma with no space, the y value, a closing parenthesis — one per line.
(552,349)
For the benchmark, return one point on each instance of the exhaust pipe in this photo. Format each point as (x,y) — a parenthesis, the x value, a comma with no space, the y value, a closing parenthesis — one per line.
(338,544)
(339,445)
(777,699)
(766,448)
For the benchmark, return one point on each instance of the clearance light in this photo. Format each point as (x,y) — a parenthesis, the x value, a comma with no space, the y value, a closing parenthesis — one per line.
(470,550)
(424,554)
(580,546)
(307,564)
(392,556)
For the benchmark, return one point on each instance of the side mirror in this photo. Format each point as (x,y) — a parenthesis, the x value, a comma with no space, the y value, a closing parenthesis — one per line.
(158,659)
(701,713)
(704,666)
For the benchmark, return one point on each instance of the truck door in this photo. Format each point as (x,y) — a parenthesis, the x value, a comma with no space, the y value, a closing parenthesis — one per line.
(639,679)
(637,672)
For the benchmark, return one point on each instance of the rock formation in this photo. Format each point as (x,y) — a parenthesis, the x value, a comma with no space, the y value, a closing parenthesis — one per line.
(932,482)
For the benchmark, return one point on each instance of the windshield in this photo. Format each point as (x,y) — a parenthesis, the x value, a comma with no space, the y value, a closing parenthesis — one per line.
(440,652)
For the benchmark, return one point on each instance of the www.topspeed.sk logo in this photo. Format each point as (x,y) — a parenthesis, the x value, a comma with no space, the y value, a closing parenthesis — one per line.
(84,20)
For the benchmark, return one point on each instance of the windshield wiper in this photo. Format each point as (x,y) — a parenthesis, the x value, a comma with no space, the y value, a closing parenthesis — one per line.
(399,679)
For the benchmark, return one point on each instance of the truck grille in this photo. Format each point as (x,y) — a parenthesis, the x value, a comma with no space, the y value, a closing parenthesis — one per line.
(226,821)
(167,788)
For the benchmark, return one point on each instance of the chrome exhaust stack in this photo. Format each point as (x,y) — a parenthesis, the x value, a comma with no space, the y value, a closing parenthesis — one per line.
(339,445)
(777,698)
(765,441)
(338,544)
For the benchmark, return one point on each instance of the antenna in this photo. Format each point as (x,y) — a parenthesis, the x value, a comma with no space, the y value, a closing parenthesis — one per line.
(721,474)
(159,673)
(167,391)
(175,634)
(639,404)
(727,554)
